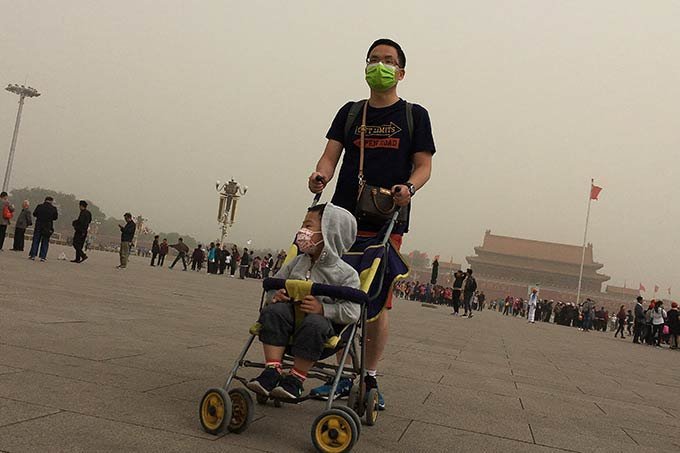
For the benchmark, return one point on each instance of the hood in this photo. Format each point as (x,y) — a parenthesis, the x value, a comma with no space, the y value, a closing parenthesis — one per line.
(339,230)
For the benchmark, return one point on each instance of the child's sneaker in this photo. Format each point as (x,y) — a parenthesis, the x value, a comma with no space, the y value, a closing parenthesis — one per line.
(372,383)
(324,391)
(289,387)
(265,382)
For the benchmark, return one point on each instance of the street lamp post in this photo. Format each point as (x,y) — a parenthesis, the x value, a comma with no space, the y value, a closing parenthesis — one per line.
(23,93)
(229,192)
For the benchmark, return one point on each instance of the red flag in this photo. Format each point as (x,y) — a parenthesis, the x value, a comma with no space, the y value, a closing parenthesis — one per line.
(642,287)
(656,289)
(595,191)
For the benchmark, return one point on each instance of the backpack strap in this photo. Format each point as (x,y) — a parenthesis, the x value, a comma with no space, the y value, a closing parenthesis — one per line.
(352,115)
(409,120)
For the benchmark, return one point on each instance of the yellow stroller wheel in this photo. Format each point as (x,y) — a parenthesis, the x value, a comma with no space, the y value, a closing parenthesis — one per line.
(215,410)
(334,431)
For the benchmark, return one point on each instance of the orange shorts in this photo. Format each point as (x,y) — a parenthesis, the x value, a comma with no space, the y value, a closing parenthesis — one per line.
(396,240)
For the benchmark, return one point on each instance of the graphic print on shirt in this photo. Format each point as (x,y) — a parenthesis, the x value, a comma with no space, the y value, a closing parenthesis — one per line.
(379,136)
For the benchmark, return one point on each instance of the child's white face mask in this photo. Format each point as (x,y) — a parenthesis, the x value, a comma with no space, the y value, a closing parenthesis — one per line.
(303,239)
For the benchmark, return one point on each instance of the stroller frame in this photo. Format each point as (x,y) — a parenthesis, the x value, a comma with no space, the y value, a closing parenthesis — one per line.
(338,427)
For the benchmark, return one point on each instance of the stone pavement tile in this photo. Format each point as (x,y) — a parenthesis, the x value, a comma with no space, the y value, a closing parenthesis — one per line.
(477,383)
(67,431)
(12,411)
(106,373)
(531,384)
(629,414)
(551,405)
(4,369)
(668,440)
(93,348)
(496,371)
(497,358)
(610,391)
(102,401)
(434,438)
(580,434)
(473,411)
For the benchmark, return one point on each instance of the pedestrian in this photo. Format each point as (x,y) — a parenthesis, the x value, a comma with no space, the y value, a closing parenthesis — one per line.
(245,264)
(235,258)
(458,279)
(481,299)
(639,323)
(587,311)
(6,214)
(162,252)
(197,259)
(155,251)
(24,220)
(127,234)
(621,321)
(182,250)
(212,259)
(658,320)
(80,227)
(399,163)
(533,300)
(673,321)
(629,322)
(223,254)
(45,214)
(469,288)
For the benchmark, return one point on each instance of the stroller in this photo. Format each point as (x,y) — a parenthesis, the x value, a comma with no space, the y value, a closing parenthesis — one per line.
(338,427)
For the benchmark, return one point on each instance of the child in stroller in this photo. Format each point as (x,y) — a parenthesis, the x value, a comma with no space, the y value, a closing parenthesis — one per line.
(327,232)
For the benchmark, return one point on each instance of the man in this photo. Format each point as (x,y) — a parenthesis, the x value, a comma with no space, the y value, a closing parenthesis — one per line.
(45,214)
(6,214)
(639,325)
(398,157)
(469,288)
(222,259)
(163,251)
(245,264)
(481,299)
(127,234)
(533,301)
(182,250)
(155,250)
(587,310)
(81,225)
(24,220)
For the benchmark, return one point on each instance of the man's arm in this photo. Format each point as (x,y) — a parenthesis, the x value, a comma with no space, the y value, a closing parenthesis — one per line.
(326,166)
(422,169)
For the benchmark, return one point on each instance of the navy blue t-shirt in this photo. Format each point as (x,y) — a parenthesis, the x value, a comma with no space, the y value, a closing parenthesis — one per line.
(388,150)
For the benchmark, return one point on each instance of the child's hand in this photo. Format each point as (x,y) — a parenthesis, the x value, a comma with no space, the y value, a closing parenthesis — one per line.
(280,296)
(311,304)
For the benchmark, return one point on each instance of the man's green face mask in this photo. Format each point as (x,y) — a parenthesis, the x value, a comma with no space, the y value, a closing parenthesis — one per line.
(380,76)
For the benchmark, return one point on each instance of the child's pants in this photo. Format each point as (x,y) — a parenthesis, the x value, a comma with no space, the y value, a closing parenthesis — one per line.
(278,325)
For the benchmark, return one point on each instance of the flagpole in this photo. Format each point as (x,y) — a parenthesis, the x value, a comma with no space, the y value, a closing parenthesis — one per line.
(585,235)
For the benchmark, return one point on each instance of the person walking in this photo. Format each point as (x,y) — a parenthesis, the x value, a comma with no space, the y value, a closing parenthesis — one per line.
(533,300)
(621,317)
(182,250)
(587,310)
(398,160)
(469,288)
(245,264)
(197,259)
(222,259)
(235,258)
(673,321)
(162,252)
(24,220)
(127,234)
(6,214)
(155,251)
(639,324)
(45,214)
(658,320)
(458,279)
(80,227)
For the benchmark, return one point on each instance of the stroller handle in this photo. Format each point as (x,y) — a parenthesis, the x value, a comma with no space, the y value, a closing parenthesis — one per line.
(318,289)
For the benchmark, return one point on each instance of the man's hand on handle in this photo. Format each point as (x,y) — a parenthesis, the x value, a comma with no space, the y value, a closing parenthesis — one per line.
(317,182)
(401,195)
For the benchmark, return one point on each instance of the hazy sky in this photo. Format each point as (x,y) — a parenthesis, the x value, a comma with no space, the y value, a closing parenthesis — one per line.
(146,103)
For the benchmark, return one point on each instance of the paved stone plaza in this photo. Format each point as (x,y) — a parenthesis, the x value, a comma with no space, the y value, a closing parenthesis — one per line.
(97,359)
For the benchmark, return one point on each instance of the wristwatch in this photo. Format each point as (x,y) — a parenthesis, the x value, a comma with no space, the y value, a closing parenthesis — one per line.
(411,188)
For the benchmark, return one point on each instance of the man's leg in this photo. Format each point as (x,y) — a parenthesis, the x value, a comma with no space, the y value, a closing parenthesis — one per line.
(35,244)
(184,261)
(175,261)
(3,232)
(44,246)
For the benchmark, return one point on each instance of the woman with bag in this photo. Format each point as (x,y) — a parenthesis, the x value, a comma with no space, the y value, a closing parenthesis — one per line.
(621,320)
(658,320)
